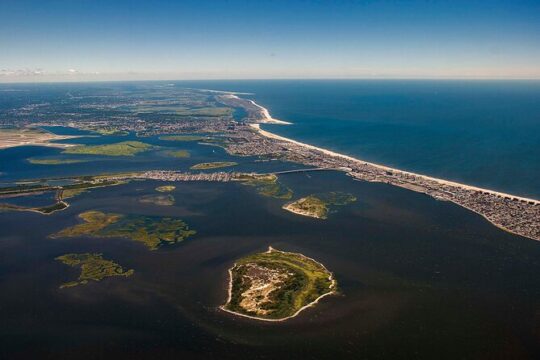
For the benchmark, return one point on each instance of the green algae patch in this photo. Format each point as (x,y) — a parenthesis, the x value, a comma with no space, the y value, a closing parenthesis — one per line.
(318,206)
(276,285)
(213,165)
(267,185)
(152,231)
(178,153)
(183,138)
(162,200)
(166,188)
(93,268)
(124,148)
(55,161)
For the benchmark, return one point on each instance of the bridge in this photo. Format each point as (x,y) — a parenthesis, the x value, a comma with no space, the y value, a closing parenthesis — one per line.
(301,170)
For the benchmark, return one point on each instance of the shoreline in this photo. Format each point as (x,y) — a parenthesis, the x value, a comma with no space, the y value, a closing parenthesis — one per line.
(268,134)
(314,302)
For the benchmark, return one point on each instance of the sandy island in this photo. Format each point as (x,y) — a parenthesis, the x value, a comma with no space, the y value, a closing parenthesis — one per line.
(28,137)
(332,290)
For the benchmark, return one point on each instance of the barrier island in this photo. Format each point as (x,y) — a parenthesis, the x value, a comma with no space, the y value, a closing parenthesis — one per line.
(276,285)
(93,267)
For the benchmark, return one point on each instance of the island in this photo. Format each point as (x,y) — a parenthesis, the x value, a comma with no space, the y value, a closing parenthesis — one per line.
(11,137)
(124,148)
(93,267)
(165,188)
(318,206)
(162,200)
(266,185)
(276,285)
(178,153)
(213,165)
(54,161)
(152,231)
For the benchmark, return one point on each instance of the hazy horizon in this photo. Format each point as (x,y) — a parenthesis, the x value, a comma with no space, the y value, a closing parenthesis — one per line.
(63,41)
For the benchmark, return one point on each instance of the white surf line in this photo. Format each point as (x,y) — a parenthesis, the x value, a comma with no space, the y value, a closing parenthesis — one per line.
(267,118)
(386,168)
(332,291)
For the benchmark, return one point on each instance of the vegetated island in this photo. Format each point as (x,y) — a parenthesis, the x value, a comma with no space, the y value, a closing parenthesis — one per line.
(178,153)
(93,267)
(162,200)
(266,185)
(276,285)
(165,188)
(213,165)
(124,148)
(183,138)
(55,161)
(151,231)
(318,206)
(11,137)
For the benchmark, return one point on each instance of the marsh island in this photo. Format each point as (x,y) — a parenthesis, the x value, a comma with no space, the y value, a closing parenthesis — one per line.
(152,231)
(93,267)
(276,285)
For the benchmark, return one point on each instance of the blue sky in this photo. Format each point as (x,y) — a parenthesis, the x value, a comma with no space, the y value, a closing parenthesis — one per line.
(112,40)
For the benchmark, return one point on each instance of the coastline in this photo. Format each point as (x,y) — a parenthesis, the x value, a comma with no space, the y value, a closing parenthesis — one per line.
(514,214)
(386,168)
(314,302)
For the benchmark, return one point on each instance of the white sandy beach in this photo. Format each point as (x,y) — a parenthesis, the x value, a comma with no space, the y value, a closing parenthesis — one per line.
(382,167)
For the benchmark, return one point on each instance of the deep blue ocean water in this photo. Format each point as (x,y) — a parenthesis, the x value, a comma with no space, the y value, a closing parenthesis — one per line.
(484,133)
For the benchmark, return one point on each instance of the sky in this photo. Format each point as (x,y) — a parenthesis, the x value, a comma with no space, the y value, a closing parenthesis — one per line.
(76,40)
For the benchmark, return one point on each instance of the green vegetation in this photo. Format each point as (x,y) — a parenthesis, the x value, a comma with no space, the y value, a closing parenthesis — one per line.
(125,148)
(151,231)
(163,200)
(276,285)
(54,161)
(318,206)
(213,165)
(183,138)
(94,222)
(166,188)
(178,153)
(93,267)
(267,185)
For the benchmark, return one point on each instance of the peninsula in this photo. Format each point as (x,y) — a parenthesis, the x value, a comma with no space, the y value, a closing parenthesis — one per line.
(12,137)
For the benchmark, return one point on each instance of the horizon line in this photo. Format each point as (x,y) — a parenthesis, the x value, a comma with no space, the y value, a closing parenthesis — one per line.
(64,81)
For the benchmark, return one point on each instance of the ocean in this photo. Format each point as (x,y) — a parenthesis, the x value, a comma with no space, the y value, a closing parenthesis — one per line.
(483,133)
